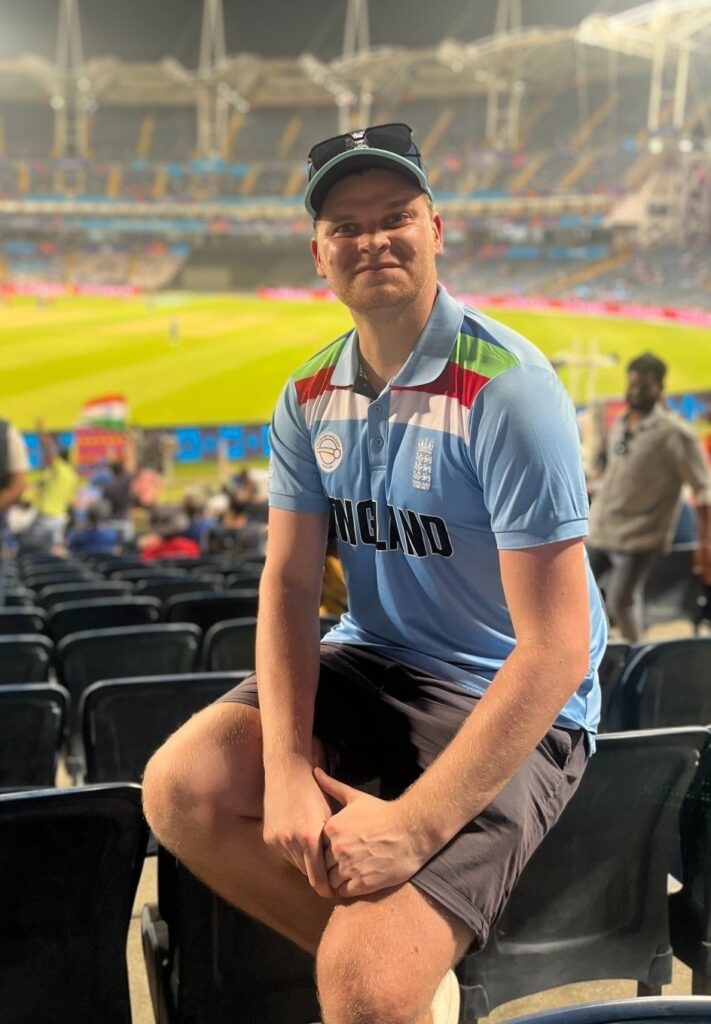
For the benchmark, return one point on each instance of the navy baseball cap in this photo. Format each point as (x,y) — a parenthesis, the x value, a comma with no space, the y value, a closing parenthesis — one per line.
(389,146)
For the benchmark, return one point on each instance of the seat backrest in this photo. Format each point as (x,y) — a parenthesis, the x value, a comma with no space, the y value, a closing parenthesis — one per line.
(102,613)
(224,966)
(609,674)
(32,720)
(230,645)
(672,591)
(674,1010)
(125,720)
(129,651)
(668,684)
(18,597)
(71,861)
(49,596)
(135,574)
(592,901)
(25,658)
(207,609)
(22,620)
(164,589)
(51,579)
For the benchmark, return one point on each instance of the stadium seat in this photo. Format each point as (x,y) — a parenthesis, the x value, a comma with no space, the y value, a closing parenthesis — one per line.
(207,609)
(666,684)
(243,580)
(673,590)
(37,581)
(163,588)
(592,901)
(610,672)
(25,658)
(690,907)
(125,720)
(22,620)
(31,727)
(50,596)
(208,963)
(19,597)
(71,862)
(138,573)
(229,646)
(101,613)
(675,1010)
(85,658)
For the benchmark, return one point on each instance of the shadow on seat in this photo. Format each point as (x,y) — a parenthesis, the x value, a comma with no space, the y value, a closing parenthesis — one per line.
(70,862)
(208,963)
(592,902)
(22,620)
(32,721)
(125,720)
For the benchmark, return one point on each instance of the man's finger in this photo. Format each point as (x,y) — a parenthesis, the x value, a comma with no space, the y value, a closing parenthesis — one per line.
(316,872)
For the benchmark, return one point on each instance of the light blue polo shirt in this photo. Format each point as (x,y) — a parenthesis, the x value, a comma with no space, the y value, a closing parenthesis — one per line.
(471,448)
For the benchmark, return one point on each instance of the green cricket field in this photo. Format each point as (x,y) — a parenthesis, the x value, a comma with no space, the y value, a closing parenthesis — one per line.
(199,359)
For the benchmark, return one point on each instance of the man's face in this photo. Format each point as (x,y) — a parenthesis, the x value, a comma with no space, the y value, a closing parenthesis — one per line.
(643,391)
(376,240)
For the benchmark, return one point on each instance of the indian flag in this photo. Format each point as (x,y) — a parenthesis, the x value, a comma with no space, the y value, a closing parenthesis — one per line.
(109,411)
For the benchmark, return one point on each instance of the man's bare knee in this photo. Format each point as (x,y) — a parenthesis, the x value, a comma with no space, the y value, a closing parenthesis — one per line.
(210,769)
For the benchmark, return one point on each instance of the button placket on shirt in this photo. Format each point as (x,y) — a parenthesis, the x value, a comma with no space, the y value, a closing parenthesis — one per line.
(377,431)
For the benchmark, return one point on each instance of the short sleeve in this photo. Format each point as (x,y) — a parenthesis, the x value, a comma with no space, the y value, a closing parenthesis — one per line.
(525,449)
(294,478)
(691,461)
(17,458)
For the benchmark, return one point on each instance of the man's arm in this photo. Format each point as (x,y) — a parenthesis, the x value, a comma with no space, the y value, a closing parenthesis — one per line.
(694,469)
(287,675)
(374,844)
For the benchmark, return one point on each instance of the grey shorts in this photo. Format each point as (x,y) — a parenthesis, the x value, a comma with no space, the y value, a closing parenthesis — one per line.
(385,722)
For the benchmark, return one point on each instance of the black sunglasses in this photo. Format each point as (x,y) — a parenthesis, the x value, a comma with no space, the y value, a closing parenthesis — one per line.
(394,138)
(622,447)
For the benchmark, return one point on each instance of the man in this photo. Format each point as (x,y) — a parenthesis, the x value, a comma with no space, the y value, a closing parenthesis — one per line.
(446,450)
(651,454)
(14,464)
(57,487)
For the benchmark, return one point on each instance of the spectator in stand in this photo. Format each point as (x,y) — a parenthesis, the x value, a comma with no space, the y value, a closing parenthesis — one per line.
(14,464)
(117,491)
(235,534)
(168,537)
(58,485)
(95,537)
(194,507)
(651,453)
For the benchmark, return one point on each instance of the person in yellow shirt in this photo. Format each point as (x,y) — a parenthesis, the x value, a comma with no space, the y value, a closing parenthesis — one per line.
(56,490)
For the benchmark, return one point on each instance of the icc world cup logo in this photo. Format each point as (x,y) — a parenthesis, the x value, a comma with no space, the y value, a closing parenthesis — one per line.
(329,451)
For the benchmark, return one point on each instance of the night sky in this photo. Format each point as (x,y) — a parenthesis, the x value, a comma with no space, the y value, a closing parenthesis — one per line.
(151,29)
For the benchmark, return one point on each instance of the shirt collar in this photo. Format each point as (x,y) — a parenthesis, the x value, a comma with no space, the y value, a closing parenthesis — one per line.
(647,422)
(429,356)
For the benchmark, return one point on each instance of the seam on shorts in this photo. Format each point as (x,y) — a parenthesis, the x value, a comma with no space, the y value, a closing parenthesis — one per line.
(451,899)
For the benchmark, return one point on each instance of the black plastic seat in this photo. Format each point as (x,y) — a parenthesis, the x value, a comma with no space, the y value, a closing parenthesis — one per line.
(102,613)
(592,901)
(163,588)
(690,908)
(207,963)
(616,656)
(85,658)
(675,1010)
(207,609)
(19,597)
(145,571)
(70,862)
(38,581)
(125,720)
(229,646)
(86,591)
(32,720)
(673,590)
(667,684)
(25,658)
(22,620)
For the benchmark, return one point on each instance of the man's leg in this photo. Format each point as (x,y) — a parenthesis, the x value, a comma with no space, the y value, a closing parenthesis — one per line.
(383,956)
(203,793)
(625,588)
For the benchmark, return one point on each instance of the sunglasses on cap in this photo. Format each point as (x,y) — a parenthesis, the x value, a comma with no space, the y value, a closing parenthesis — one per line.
(392,138)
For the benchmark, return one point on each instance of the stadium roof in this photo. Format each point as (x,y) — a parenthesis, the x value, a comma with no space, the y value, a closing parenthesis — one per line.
(536,58)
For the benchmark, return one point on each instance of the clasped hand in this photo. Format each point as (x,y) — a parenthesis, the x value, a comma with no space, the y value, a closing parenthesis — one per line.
(362,848)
